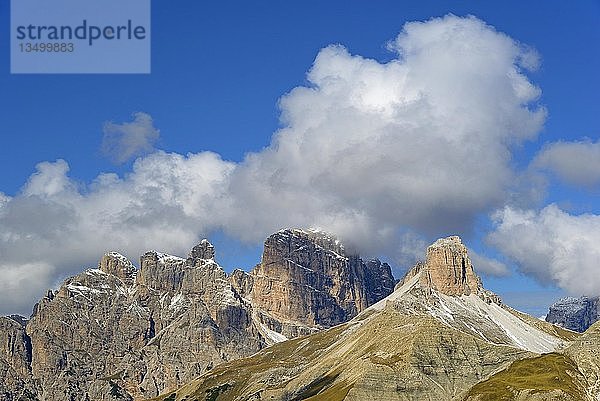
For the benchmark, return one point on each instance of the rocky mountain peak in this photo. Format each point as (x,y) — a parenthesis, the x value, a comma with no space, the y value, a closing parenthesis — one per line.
(121,333)
(203,251)
(307,277)
(452,242)
(118,265)
(322,239)
(576,314)
(438,336)
(447,269)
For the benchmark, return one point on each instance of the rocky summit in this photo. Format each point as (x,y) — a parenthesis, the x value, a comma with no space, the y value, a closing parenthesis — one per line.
(117,332)
(306,281)
(439,336)
(447,269)
(576,314)
(121,332)
(311,321)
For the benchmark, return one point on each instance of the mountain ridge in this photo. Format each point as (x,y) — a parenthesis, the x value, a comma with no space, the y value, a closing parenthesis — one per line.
(419,343)
(117,332)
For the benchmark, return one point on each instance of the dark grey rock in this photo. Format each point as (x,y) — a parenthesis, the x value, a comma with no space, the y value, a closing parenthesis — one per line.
(576,314)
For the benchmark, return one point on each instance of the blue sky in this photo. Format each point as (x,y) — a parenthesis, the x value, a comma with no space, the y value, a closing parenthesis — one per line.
(219,70)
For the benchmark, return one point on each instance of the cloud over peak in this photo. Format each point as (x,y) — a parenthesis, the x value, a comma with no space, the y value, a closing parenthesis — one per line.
(422,142)
(384,154)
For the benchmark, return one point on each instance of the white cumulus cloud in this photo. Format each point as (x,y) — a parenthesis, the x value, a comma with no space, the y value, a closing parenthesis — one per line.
(552,245)
(422,142)
(384,154)
(576,163)
(54,228)
(488,266)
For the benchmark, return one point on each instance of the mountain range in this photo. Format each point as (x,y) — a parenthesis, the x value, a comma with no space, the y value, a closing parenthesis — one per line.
(439,336)
(311,321)
(117,332)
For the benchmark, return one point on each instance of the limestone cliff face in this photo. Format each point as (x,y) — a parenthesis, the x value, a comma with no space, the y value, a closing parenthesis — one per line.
(242,282)
(436,337)
(117,333)
(16,381)
(307,277)
(121,333)
(448,268)
(119,266)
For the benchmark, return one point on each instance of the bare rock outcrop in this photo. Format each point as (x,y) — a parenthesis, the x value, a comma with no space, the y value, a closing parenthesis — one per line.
(119,266)
(576,314)
(436,337)
(242,282)
(203,251)
(307,281)
(447,269)
(16,381)
(121,333)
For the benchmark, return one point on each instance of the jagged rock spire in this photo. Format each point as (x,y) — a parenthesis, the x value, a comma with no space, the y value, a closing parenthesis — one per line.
(447,269)
(204,250)
(118,265)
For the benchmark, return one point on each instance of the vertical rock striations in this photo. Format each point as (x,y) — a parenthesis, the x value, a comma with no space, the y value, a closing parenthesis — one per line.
(307,281)
(16,381)
(121,333)
(436,337)
(448,268)
(119,266)
(117,333)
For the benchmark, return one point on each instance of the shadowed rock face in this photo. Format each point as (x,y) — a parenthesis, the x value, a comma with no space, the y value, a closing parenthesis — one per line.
(307,277)
(203,251)
(576,314)
(121,333)
(16,381)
